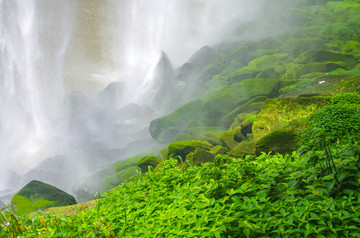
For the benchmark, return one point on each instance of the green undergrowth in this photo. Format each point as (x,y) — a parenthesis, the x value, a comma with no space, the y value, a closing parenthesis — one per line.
(267,196)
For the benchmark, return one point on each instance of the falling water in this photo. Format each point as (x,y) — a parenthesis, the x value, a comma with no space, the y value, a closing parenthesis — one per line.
(68,67)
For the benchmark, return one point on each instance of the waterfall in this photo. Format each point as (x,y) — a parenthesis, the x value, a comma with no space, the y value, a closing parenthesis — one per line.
(69,69)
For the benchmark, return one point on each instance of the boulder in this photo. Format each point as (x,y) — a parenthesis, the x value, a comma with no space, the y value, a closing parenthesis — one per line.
(282,142)
(182,148)
(279,113)
(246,147)
(37,195)
(148,161)
(200,156)
(316,56)
(216,150)
(223,102)
(120,177)
(165,129)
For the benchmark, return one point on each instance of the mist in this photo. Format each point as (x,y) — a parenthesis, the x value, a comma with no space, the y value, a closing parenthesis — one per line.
(81,80)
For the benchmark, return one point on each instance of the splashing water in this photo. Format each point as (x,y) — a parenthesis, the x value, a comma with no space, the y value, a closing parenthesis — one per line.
(55,58)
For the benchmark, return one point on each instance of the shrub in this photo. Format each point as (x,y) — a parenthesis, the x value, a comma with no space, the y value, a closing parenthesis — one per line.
(334,124)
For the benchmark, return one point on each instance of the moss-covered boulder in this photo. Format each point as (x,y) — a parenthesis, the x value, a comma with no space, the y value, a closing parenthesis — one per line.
(200,156)
(225,101)
(165,129)
(282,142)
(129,162)
(278,113)
(231,139)
(144,163)
(37,195)
(315,56)
(326,85)
(122,176)
(246,147)
(182,148)
(216,150)
(242,112)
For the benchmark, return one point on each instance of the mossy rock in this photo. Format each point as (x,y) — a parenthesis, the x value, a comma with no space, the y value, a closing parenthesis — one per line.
(133,160)
(279,112)
(219,150)
(182,148)
(296,71)
(253,106)
(37,195)
(315,56)
(144,163)
(200,156)
(111,181)
(130,162)
(231,139)
(122,176)
(282,142)
(246,147)
(165,129)
(206,133)
(298,46)
(223,102)
(326,85)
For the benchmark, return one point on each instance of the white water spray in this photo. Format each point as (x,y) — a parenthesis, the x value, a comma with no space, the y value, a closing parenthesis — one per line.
(50,49)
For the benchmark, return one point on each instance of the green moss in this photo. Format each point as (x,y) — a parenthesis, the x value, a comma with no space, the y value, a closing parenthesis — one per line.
(111,182)
(37,195)
(144,163)
(124,164)
(327,85)
(25,206)
(216,150)
(231,139)
(253,106)
(200,156)
(317,56)
(165,129)
(223,102)
(125,174)
(278,113)
(182,148)
(246,147)
(282,142)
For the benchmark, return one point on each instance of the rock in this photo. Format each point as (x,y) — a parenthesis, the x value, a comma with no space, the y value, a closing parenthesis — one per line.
(251,107)
(223,102)
(282,142)
(182,148)
(246,147)
(122,176)
(278,113)
(38,196)
(219,150)
(148,161)
(113,94)
(316,56)
(231,139)
(327,85)
(200,156)
(165,129)
(161,92)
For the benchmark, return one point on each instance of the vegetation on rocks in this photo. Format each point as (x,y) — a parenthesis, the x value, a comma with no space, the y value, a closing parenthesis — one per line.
(233,166)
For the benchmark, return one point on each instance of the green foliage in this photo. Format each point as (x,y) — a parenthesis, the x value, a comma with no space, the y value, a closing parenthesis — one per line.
(345,98)
(267,196)
(335,124)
